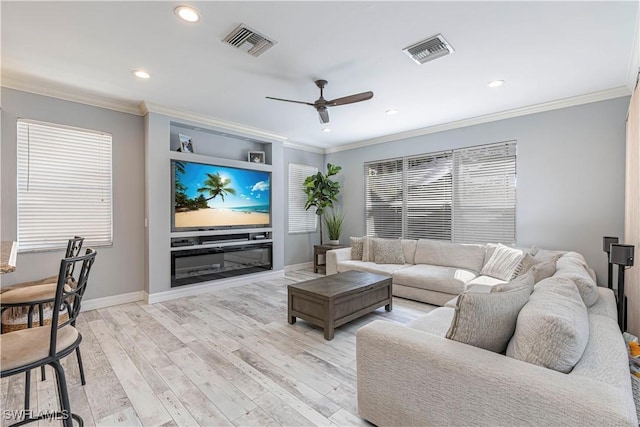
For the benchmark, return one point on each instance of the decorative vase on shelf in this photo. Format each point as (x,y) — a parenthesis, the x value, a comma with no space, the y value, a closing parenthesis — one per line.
(334,242)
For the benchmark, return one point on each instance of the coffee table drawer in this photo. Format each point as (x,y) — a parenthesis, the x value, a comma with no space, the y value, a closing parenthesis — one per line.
(371,296)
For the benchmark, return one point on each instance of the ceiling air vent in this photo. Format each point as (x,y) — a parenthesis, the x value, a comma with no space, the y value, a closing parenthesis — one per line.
(248,40)
(429,49)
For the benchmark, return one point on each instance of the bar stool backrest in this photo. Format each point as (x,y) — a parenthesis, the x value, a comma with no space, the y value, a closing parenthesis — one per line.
(69,298)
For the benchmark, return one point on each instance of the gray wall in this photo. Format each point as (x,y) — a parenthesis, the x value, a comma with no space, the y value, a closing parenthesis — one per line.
(570,166)
(118,269)
(298,247)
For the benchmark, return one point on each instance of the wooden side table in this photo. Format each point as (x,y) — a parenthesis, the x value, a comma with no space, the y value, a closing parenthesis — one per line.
(322,250)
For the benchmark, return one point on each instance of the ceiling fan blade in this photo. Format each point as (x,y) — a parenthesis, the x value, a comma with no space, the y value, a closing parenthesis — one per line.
(324,114)
(289,100)
(350,99)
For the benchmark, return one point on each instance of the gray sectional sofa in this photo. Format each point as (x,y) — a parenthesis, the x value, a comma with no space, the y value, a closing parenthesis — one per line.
(564,361)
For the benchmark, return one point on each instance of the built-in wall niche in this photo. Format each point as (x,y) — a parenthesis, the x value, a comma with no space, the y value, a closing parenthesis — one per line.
(215,143)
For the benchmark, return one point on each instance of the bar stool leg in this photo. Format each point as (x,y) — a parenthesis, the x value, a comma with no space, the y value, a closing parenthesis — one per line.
(64,395)
(41,314)
(80,366)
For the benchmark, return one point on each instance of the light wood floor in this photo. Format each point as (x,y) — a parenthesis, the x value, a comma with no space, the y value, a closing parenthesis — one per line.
(227,357)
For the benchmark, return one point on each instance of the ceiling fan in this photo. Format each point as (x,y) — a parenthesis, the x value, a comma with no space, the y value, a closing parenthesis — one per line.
(321,104)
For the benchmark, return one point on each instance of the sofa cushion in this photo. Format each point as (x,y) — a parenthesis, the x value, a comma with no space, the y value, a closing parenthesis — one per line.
(605,358)
(606,304)
(488,320)
(433,277)
(387,251)
(503,263)
(369,267)
(436,322)
(573,269)
(356,248)
(447,254)
(485,281)
(409,248)
(552,328)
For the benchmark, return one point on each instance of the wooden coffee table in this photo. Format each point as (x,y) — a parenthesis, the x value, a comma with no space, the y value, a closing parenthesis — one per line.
(334,300)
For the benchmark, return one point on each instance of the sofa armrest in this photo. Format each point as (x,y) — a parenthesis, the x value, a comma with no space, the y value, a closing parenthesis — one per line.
(409,377)
(334,256)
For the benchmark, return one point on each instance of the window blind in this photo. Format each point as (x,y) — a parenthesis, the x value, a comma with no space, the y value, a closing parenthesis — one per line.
(384,182)
(428,196)
(484,202)
(300,220)
(64,186)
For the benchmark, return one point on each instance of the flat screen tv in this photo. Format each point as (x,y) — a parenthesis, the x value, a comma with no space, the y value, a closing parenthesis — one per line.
(211,197)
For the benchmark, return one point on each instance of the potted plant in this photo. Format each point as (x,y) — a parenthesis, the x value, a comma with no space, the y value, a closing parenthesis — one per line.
(334,221)
(322,191)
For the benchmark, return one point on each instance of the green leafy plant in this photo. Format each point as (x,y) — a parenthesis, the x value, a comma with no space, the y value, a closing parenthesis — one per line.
(334,221)
(322,191)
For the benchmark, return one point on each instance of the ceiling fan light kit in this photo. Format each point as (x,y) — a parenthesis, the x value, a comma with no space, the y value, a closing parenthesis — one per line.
(321,104)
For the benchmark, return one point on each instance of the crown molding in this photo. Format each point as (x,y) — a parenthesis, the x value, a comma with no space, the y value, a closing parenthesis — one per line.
(304,147)
(532,109)
(39,87)
(219,124)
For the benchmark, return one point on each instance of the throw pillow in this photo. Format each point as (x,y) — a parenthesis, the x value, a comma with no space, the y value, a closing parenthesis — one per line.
(552,328)
(543,267)
(520,281)
(487,320)
(544,270)
(574,270)
(356,248)
(367,255)
(503,263)
(387,251)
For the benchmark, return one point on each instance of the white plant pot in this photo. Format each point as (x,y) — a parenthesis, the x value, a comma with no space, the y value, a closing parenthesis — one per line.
(334,242)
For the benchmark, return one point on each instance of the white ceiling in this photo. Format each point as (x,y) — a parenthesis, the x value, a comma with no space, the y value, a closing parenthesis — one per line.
(545,51)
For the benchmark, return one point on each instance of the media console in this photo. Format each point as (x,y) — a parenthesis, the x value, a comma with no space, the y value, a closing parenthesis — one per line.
(202,258)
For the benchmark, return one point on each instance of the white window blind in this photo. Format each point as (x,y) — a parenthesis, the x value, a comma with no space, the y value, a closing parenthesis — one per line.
(64,186)
(428,197)
(384,182)
(484,203)
(464,195)
(300,220)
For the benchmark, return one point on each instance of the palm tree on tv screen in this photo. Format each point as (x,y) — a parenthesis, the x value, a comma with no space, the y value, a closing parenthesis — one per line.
(216,186)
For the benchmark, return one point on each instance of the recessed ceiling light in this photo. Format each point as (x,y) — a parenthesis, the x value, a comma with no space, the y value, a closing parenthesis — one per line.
(187,13)
(392,111)
(141,74)
(496,83)
(326,130)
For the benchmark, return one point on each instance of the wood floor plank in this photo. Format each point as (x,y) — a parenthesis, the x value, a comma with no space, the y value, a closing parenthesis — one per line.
(229,400)
(178,411)
(199,406)
(126,417)
(146,404)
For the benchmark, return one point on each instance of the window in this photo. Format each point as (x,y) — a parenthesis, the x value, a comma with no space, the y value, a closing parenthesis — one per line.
(300,220)
(466,195)
(484,203)
(383,198)
(64,186)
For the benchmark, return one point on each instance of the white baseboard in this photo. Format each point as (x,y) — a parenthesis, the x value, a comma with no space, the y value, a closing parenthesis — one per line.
(95,303)
(297,267)
(186,291)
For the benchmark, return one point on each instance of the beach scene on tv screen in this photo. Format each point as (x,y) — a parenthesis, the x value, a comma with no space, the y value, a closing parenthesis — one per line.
(218,196)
